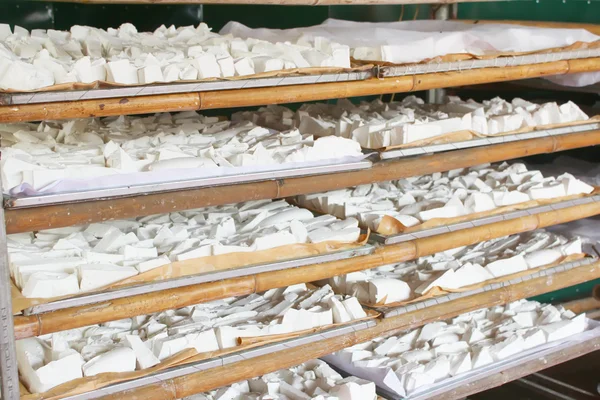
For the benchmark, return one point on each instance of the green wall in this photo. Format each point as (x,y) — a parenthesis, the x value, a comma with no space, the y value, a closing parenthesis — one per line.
(32,14)
(532,10)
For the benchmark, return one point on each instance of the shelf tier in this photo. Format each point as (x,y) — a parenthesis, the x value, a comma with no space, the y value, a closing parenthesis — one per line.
(291,94)
(96,210)
(184,381)
(146,303)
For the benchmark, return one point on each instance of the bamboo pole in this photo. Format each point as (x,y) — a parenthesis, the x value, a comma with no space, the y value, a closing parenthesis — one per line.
(112,310)
(407,83)
(55,216)
(100,107)
(287,94)
(593,28)
(216,377)
(596,292)
(174,298)
(582,305)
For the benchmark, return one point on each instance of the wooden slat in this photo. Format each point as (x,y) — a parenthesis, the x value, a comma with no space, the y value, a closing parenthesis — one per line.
(216,377)
(287,94)
(174,298)
(55,216)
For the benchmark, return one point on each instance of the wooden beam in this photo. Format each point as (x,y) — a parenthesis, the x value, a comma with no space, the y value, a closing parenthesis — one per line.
(27,326)
(221,376)
(61,215)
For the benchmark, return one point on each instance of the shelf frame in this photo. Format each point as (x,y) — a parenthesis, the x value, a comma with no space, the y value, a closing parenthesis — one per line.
(9,374)
(234,368)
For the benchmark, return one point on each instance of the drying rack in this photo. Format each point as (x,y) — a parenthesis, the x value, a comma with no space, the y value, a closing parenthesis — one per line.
(23,214)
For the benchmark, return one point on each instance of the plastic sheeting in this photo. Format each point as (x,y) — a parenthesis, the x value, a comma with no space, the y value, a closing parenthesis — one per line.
(576,80)
(416,41)
(166,176)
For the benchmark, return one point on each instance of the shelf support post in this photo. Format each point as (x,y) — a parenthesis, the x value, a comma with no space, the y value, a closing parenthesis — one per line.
(9,376)
(436,96)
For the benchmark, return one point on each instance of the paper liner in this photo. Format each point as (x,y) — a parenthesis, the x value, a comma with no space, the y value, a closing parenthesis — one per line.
(465,135)
(450,137)
(23,390)
(488,56)
(262,340)
(391,226)
(201,265)
(437,291)
(271,74)
(87,384)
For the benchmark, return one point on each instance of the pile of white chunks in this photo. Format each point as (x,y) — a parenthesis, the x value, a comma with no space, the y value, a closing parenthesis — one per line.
(67,261)
(42,58)
(441,350)
(40,154)
(415,200)
(377,124)
(142,342)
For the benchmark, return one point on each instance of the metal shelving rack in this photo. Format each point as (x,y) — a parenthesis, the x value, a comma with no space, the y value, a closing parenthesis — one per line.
(43,212)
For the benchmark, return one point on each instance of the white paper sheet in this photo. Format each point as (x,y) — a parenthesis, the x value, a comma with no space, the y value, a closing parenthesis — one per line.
(415,41)
(587,171)
(164,176)
(576,80)
(386,379)
(586,228)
